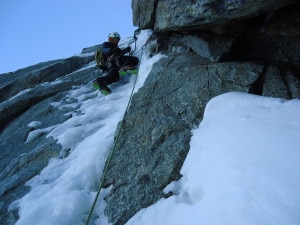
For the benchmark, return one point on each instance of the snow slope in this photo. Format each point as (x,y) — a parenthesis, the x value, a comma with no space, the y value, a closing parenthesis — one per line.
(243,167)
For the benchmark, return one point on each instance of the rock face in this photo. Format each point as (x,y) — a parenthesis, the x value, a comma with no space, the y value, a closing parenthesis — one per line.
(160,121)
(193,14)
(212,47)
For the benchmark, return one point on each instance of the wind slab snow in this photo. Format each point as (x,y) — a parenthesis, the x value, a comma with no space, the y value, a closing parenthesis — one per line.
(243,167)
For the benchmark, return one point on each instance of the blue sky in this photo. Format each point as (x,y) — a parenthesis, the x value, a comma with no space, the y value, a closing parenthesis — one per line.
(34,31)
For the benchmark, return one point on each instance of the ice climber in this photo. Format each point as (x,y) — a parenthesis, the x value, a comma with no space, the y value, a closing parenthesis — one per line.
(111,59)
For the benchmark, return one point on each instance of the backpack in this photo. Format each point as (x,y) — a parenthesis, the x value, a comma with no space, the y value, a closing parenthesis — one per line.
(100,59)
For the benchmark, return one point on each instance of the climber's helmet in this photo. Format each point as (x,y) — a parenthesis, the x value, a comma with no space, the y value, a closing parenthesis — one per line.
(114,35)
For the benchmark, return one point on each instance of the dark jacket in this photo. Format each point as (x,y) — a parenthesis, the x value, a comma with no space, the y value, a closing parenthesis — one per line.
(107,48)
(111,53)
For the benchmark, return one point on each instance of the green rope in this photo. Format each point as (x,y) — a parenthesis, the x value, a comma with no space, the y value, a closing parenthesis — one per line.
(109,159)
(114,147)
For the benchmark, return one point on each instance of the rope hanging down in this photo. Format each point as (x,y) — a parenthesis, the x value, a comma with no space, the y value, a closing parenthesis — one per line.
(114,148)
(109,159)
